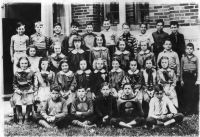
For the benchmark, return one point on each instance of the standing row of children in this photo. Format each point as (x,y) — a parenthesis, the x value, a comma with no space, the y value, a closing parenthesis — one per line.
(77,68)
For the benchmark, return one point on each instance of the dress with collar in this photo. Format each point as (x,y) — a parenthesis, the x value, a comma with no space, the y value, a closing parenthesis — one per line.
(56,38)
(83,78)
(75,56)
(115,78)
(142,56)
(124,58)
(34,61)
(88,39)
(149,83)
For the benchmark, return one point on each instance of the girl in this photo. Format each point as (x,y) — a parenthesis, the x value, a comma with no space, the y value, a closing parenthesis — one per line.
(43,79)
(33,58)
(23,85)
(56,58)
(66,79)
(122,54)
(167,78)
(77,54)
(116,75)
(99,76)
(99,50)
(18,44)
(144,53)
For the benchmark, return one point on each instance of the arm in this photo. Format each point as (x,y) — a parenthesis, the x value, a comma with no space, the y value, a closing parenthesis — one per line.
(174,78)
(158,59)
(152,109)
(170,105)
(197,65)
(97,104)
(181,69)
(12,49)
(177,64)
(27,41)
(64,111)
(15,84)
(44,110)
(139,83)
(90,110)
(73,84)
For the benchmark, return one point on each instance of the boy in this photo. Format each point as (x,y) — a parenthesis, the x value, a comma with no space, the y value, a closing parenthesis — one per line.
(109,36)
(54,111)
(162,110)
(130,110)
(177,39)
(40,41)
(129,39)
(82,110)
(67,42)
(174,62)
(189,76)
(159,37)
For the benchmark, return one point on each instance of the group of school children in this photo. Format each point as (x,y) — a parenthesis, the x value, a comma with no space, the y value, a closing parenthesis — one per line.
(99,79)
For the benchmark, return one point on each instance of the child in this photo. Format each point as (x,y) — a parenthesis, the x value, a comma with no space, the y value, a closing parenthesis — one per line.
(33,58)
(76,55)
(122,54)
(56,57)
(144,53)
(167,78)
(99,50)
(18,44)
(23,85)
(189,77)
(66,79)
(98,77)
(43,79)
(58,36)
(39,40)
(89,37)
(55,111)
(130,110)
(116,75)
(82,110)
(162,110)
(173,57)
(105,105)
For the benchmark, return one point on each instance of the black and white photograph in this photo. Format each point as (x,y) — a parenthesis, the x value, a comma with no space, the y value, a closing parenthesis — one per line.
(100,67)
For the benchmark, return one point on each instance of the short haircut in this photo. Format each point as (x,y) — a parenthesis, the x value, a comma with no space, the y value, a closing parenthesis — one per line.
(103,37)
(160,21)
(174,23)
(158,88)
(57,24)
(127,84)
(167,39)
(127,24)
(18,63)
(190,45)
(31,46)
(144,24)
(163,57)
(40,62)
(74,23)
(38,23)
(55,87)
(19,24)
(89,23)
(61,62)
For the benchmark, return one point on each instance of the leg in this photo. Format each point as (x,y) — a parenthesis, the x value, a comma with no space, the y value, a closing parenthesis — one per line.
(137,121)
(44,123)
(63,122)
(151,121)
(123,124)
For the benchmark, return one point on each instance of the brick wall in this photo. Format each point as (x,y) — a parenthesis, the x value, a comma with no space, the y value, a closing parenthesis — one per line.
(84,13)
(186,14)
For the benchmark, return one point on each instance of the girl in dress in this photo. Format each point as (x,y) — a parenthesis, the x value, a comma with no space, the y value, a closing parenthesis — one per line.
(76,55)
(33,58)
(167,78)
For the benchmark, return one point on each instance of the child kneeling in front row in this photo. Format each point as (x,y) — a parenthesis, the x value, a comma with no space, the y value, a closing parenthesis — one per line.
(55,110)
(162,110)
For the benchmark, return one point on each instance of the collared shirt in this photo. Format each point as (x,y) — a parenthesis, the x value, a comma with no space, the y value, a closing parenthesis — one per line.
(154,108)
(142,55)
(57,38)
(189,64)
(20,42)
(109,36)
(174,62)
(39,41)
(116,77)
(145,37)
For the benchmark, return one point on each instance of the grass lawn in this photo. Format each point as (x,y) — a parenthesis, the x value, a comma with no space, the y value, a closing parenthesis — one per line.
(189,127)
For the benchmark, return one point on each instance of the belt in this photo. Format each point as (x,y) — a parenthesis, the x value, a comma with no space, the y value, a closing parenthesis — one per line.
(20,51)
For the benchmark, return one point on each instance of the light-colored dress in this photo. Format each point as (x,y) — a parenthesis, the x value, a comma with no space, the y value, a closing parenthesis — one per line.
(34,61)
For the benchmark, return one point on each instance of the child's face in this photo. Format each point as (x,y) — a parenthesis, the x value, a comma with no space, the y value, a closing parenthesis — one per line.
(74,29)
(149,64)
(100,64)
(81,93)
(167,45)
(32,52)
(164,63)
(44,65)
(20,30)
(99,40)
(127,89)
(57,29)
(159,26)
(159,94)
(55,95)
(126,29)
(105,91)
(39,28)
(106,25)
(77,44)
(115,64)
(23,64)
(89,28)
(189,50)
(122,45)
(65,67)
(143,29)
(143,46)
(57,49)
(174,28)
(83,65)
(133,65)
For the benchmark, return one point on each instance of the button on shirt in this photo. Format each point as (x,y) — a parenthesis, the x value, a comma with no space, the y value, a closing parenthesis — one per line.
(20,42)
(109,36)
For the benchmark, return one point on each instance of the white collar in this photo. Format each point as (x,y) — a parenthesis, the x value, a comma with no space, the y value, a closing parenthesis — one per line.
(146,52)
(75,51)
(102,71)
(69,73)
(168,69)
(118,52)
(167,50)
(27,70)
(118,70)
(131,72)
(99,48)
(81,71)
(60,55)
